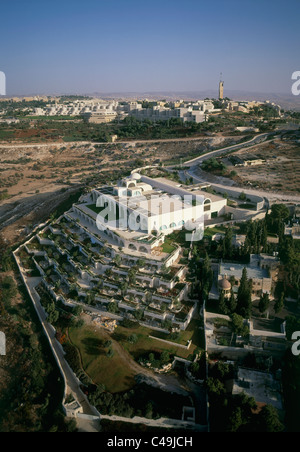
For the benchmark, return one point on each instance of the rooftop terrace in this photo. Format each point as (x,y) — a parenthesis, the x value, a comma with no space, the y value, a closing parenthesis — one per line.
(236,270)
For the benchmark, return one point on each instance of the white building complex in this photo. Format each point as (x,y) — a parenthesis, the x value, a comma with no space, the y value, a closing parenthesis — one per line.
(140,210)
(101,111)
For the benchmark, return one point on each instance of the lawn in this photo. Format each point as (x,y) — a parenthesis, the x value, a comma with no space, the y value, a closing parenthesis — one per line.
(94,208)
(118,371)
(110,371)
(146,344)
(179,237)
(193,333)
(215,230)
(168,246)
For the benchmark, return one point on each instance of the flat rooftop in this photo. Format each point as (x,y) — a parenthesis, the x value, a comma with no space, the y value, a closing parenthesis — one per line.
(260,385)
(236,270)
(151,203)
(188,189)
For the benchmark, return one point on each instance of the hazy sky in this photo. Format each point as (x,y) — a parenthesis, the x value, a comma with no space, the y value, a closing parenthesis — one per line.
(148,45)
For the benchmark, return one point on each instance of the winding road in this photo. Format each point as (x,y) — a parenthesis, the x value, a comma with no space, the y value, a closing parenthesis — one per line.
(270,197)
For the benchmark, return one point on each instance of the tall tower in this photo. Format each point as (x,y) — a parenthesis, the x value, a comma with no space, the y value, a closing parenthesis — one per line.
(221,87)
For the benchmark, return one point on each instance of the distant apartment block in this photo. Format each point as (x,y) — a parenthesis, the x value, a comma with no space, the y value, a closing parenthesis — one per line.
(98,111)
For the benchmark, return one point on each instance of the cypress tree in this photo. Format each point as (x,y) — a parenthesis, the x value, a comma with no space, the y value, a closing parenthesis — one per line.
(244,302)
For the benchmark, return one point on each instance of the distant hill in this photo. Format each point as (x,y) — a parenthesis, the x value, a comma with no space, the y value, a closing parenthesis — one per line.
(285,100)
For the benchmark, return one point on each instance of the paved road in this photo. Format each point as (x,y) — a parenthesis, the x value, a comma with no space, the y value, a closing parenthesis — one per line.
(253,142)
(157,140)
(55,143)
(269,196)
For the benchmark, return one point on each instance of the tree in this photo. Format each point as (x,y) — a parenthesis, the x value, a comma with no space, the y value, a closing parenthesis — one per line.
(117,260)
(195,367)
(235,420)
(77,310)
(275,220)
(132,276)
(215,387)
(222,303)
(264,302)
(232,302)
(290,256)
(279,303)
(124,288)
(244,302)
(227,243)
(151,357)
(205,276)
(132,339)
(164,357)
(149,410)
(238,325)
(107,344)
(138,314)
(110,353)
(112,307)
(268,420)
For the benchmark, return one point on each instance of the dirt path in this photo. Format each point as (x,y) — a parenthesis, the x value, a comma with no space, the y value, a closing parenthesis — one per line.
(167,382)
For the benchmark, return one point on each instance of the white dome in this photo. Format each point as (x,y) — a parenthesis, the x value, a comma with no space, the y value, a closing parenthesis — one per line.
(136,176)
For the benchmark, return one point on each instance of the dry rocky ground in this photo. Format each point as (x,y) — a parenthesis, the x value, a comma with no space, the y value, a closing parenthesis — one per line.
(280,172)
(35,179)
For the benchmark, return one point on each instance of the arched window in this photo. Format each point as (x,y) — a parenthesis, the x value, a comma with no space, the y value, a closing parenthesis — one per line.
(207,205)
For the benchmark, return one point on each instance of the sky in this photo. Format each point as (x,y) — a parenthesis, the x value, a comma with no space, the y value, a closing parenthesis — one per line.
(71,46)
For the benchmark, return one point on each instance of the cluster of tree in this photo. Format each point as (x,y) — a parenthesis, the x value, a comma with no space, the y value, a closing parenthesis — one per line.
(240,304)
(276,218)
(265,111)
(200,272)
(255,242)
(31,372)
(236,413)
(213,165)
(21,108)
(198,367)
(289,253)
(244,302)
(256,235)
(157,360)
(142,400)
(72,356)
(227,305)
